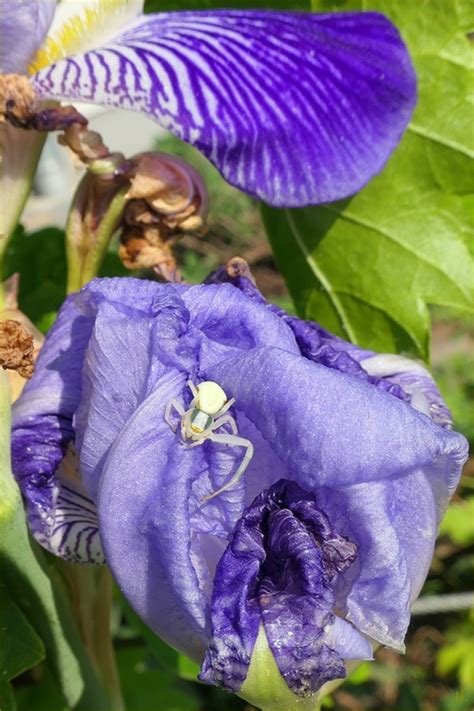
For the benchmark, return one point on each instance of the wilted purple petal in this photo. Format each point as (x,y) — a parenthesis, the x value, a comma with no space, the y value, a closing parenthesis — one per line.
(402,377)
(23,26)
(279,568)
(293,108)
(314,342)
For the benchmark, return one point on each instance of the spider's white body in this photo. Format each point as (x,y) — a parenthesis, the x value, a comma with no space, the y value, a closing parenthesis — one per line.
(205,415)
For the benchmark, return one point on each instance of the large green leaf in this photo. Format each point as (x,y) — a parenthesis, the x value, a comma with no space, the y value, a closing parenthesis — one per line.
(167,5)
(26,579)
(368,267)
(147,686)
(20,646)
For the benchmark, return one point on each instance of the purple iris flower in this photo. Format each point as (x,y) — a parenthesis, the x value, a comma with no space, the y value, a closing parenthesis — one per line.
(324,542)
(294,108)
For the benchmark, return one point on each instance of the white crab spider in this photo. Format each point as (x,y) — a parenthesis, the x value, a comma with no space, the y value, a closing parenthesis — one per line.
(205,415)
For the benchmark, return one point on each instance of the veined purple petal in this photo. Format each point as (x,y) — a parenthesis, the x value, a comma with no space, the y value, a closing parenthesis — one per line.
(402,377)
(61,515)
(23,26)
(293,108)
(343,430)
(279,569)
(394,523)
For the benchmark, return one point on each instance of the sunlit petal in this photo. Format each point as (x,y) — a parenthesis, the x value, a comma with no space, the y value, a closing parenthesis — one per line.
(23,26)
(293,108)
(80,25)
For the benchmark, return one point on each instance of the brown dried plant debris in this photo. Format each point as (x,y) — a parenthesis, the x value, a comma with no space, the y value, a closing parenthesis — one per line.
(86,144)
(145,250)
(20,107)
(167,198)
(17,98)
(16,348)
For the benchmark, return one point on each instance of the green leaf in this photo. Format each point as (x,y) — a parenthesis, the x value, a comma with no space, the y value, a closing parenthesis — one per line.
(40,695)
(7,697)
(40,259)
(20,646)
(169,5)
(146,686)
(36,592)
(458,657)
(169,659)
(368,267)
(458,522)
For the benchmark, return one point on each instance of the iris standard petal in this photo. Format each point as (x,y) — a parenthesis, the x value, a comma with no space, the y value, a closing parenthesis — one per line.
(333,429)
(394,523)
(414,379)
(142,332)
(23,26)
(143,509)
(402,377)
(293,108)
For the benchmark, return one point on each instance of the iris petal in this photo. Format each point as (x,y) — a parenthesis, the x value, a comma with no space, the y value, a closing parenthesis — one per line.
(279,568)
(293,108)
(60,514)
(415,381)
(79,26)
(333,429)
(394,523)
(23,26)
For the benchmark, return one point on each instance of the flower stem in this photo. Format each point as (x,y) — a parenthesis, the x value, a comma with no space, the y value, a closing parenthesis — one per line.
(88,234)
(90,589)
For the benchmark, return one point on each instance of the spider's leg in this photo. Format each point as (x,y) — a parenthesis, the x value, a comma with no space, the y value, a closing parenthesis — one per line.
(196,443)
(173,405)
(235,442)
(225,407)
(227,419)
(193,389)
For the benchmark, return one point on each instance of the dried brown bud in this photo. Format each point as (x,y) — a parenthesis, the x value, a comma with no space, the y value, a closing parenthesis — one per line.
(86,144)
(164,182)
(237,266)
(170,186)
(138,213)
(17,98)
(166,198)
(148,252)
(16,348)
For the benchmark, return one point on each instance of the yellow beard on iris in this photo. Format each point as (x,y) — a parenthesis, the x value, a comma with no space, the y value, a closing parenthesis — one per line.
(80,28)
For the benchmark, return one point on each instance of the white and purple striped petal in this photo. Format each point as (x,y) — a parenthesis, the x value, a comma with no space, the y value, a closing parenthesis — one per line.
(293,108)
(61,515)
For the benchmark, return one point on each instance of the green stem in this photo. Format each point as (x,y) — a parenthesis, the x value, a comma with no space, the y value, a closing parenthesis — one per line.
(108,226)
(86,245)
(20,152)
(91,589)
(75,237)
